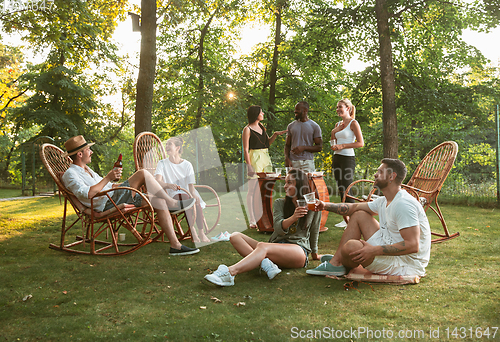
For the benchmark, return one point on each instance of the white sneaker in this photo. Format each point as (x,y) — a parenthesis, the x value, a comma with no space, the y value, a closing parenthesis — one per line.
(221,277)
(217,237)
(341,224)
(270,268)
(221,236)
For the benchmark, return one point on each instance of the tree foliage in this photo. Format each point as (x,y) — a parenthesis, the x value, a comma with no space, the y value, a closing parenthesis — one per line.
(61,93)
(443,87)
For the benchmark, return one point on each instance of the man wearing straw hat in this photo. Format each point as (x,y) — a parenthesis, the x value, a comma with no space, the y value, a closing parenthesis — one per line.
(85,184)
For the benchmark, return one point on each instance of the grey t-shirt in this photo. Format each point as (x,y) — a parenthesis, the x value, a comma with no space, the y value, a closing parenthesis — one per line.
(303,134)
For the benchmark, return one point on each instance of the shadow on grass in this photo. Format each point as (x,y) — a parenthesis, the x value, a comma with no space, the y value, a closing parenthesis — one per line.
(148,295)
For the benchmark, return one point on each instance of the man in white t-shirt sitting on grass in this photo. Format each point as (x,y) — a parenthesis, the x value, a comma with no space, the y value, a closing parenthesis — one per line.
(400,244)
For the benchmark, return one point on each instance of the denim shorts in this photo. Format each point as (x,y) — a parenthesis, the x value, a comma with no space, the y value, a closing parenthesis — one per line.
(123,196)
(305,250)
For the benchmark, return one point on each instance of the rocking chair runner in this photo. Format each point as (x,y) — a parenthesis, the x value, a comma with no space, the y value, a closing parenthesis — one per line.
(148,151)
(96,227)
(426,182)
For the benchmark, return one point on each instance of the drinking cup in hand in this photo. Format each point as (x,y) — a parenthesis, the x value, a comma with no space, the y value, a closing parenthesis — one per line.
(301,203)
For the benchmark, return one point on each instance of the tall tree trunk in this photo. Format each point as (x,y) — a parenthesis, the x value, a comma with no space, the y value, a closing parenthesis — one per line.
(274,68)
(201,75)
(147,67)
(203,174)
(389,116)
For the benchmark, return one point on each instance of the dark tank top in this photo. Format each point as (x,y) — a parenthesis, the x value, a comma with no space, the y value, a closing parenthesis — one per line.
(258,141)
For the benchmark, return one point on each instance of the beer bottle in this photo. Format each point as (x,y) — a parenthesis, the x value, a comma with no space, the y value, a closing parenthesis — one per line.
(118,164)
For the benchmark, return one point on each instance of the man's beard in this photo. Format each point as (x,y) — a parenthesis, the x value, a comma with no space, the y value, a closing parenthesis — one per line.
(381,184)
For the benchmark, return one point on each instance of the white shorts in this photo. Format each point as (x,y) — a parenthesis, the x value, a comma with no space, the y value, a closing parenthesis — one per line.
(400,265)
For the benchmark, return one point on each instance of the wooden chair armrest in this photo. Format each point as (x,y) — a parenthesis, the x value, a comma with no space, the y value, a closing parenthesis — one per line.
(409,187)
(204,187)
(363,197)
(416,192)
(124,207)
(209,188)
(187,192)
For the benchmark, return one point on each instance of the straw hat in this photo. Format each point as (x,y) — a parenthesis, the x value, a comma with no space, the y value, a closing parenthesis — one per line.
(75,145)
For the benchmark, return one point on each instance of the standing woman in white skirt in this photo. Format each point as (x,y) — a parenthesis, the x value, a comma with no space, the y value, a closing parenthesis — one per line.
(256,144)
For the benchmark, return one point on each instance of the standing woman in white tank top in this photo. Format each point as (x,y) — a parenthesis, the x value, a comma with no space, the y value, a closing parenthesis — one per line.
(348,136)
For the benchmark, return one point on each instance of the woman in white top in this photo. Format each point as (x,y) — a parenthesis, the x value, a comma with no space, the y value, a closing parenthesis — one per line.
(348,137)
(180,172)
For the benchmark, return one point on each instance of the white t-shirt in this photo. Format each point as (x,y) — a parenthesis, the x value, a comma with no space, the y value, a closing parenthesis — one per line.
(404,211)
(79,182)
(181,174)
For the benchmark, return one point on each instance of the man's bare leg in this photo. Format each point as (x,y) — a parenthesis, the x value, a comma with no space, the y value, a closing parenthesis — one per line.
(143,177)
(349,247)
(167,226)
(360,224)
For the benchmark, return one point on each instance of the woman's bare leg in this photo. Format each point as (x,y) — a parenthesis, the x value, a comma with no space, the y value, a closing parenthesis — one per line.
(252,190)
(190,219)
(283,255)
(243,244)
(200,223)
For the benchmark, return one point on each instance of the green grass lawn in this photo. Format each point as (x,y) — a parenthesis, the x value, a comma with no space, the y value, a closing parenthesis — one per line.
(149,296)
(8,193)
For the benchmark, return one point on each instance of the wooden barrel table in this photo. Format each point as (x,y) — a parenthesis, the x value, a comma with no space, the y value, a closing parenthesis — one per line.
(266,182)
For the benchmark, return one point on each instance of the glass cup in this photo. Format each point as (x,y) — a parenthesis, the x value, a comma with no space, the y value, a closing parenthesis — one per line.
(333,142)
(278,171)
(311,200)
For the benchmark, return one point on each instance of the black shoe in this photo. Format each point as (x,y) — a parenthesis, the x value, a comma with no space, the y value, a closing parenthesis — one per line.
(182,205)
(183,251)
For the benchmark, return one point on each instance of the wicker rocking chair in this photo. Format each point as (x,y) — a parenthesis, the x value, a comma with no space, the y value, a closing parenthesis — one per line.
(148,151)
(100,231)
(425,184)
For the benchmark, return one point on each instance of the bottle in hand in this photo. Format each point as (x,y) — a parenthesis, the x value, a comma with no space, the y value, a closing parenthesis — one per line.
(118,164)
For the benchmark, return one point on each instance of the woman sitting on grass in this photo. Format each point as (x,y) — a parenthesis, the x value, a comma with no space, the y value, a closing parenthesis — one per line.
(288,246)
